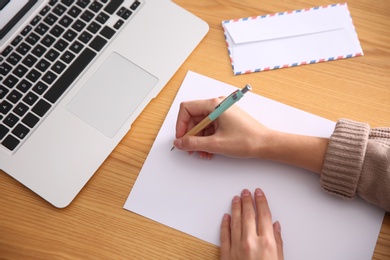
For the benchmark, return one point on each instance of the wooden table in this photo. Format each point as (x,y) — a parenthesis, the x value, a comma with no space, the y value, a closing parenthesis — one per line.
(95,225)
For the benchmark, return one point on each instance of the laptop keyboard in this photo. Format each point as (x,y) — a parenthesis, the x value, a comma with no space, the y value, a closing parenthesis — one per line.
(40,64)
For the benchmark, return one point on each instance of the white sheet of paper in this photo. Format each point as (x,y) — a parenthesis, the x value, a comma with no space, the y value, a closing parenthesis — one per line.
(191,194)
(291,38)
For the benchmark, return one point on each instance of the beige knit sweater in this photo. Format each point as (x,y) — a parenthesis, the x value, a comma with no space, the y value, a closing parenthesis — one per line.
(357,162)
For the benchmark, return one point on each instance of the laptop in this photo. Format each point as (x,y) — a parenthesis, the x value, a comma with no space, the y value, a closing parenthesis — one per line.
(74,76)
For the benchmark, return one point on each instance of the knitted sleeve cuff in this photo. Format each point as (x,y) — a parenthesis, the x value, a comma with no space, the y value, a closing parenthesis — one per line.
(344,158)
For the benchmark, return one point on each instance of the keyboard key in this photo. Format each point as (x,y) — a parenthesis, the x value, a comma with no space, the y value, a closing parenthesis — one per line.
(36,20)
(74,11)
(98,43)
(76,47)
(70,35)
(107,32)
(17,40)
(57,30)
(85,37)
(14,58)
(20,109)
(41,108)
(95,6)
(5,69)
(3,92)
(79,25)
(30,98)
(10,81)
(48,40)
(33,38)
(50,19)
(66,21)
(40,88)
(41,29)
(83,3)
(62,84)
(52,55)
(53,2)
(39,50)
(121,11)
(10,120)
(20,131)
(49,77)
(26,30)
(30,120)
(5,107)
(3,131)
(20,70)
(59,10)
(23,48)
(43,65)
(33,75)
(113,6)
(58,67)
(135,5)
(45,10)
(67,57)
(10,142)
(7,51)
(126,14)
(94,27)
(119,24)
(67,2)
(87,16)
(102,18)
(61,45)
(14,96)
(29,61)
(24,85)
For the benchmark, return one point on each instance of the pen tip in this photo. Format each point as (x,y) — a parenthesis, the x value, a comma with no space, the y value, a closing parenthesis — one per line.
(172,148)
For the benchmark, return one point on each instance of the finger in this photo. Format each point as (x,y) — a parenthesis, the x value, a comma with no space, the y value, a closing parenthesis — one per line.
(235,223)
(191,113)
(225,236)
(264,218)
(205,155)
(248,214)
(195,143)
(278,239)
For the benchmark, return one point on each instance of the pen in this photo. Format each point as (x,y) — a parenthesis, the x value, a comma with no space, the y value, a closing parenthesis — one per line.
(222,107)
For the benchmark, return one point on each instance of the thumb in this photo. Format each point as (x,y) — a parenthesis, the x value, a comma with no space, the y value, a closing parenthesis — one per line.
(278,239)
(192,143)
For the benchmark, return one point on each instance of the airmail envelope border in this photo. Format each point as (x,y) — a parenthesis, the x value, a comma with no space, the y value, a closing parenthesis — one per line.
(285,65)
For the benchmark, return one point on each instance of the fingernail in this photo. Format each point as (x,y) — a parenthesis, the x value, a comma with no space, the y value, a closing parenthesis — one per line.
(236,199)
(259,192)
(245,193)
(278,227)
(225,216)
(178,144)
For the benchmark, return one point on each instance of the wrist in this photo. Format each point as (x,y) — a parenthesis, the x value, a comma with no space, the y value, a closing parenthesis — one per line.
(306,152)
(266,145)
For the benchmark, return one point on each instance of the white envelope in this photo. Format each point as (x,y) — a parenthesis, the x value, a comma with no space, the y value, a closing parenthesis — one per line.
(290,39)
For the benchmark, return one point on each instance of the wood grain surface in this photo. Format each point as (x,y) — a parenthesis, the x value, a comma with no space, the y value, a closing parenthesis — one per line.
(95,225)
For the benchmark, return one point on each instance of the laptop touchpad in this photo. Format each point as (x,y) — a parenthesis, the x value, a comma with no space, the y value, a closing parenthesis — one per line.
(112,94)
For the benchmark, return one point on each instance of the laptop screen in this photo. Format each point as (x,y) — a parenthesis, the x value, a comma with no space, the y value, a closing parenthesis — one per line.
(11,11)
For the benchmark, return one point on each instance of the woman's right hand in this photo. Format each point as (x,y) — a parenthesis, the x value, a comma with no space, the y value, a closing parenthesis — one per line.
(234,133)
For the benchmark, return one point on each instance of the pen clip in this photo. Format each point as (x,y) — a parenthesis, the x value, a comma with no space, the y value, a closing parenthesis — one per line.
(232,94)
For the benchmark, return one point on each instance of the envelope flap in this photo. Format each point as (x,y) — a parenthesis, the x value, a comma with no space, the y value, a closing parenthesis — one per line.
(288,24)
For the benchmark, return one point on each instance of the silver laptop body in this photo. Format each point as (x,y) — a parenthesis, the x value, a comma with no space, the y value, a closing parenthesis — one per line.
(55,145)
